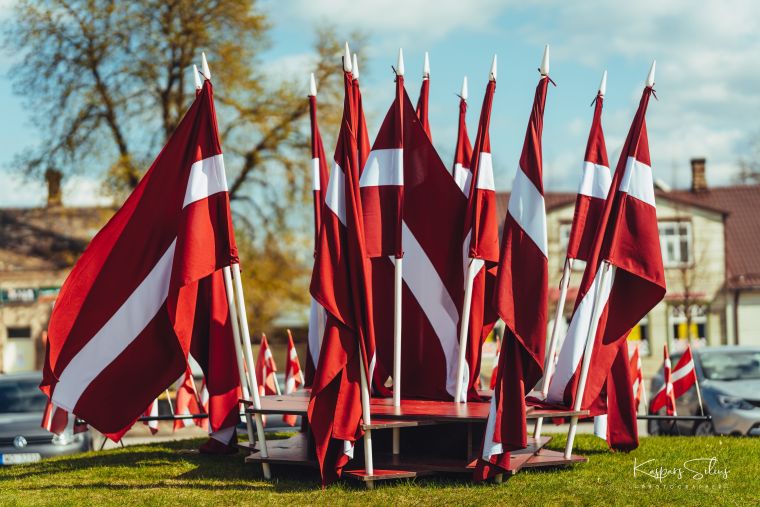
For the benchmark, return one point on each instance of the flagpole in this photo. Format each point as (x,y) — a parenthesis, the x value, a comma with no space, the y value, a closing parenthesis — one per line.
(590,337)
(549,360)
(251,368)
(169,399)
(238,350)
(398,281)
(368,461)
(699,390)
(464,329)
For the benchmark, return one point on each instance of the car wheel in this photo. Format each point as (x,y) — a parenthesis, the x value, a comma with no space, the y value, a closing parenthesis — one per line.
(704,428)
(653,428)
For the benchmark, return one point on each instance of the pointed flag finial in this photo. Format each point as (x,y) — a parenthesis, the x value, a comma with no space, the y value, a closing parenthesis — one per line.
(347,59)
(492,74)
(426,67)
(355,67)
(464,89)
(400,65)
(650,77)
(544,69)
(204,67)
(312,86)
(603,84)
(197,77)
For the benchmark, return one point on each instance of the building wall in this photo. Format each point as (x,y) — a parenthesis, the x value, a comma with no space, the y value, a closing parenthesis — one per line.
(748,313)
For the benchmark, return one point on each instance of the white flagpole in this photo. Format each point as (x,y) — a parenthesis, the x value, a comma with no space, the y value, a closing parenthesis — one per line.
(589,346)
(398,281)
(464,329)
(549,360)
(367,417)
(246,337)
(169,399)
(696,383)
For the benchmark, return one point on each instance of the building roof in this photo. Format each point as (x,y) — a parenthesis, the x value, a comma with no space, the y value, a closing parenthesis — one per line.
(47,239)
(740,206)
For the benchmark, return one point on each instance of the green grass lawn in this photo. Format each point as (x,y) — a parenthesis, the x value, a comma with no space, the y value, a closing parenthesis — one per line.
(173,474)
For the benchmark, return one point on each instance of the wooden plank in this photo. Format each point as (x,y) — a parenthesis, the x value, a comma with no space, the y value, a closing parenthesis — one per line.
(384,474)
(549,458)
(289,451)
(394,423)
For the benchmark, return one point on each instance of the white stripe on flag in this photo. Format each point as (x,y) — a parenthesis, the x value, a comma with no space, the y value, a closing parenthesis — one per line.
(682,372)
(317,320)
(485,173)
(336,193)
(600,426)
(490,447)
(595,181)
(434,300)
(383,167)
(526,205)
(116,335)
(315,183)
(463,178)
(637,181)
(572,348)
(207,178)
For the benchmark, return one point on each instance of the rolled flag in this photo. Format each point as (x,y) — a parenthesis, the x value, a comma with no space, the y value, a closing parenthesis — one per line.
(684,374)
(187,402)
(320,176)
(152,411)
(594,186)
(362,137)
(266,369)
(665,397)
(293,376)
(637,377)
(625,256)
(54,419)
(481,240)
(521,297)
(422,102)
(341,284)
(125,318)
(463,152)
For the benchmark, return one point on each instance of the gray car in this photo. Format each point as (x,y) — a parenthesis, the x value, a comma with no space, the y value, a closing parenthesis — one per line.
(729,377)
(22,439)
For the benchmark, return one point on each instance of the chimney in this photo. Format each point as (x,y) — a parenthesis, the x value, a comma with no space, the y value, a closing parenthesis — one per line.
(698,179)
(53,178)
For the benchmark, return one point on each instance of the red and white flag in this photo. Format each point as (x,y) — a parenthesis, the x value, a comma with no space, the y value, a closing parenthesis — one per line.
(463,152)
(637,377)
(341,284)
(320,176)
(626,255)
(362,136)
(187,402)
(423,109)
(152,411)
(684,374)
(54,419)
(521,299)
(293,376)
(665,397)
(125,318)
(266,369)
(593,188)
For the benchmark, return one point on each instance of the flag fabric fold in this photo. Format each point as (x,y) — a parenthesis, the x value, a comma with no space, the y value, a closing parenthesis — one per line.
(521,300)
(625,271)
(124,320)
(463,152)
(423,108)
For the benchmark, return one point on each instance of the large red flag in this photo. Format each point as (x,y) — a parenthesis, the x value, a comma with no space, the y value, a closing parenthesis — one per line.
(320,176)
(123,323)
(481,242)
(341,284)
(626,255)
(521,299)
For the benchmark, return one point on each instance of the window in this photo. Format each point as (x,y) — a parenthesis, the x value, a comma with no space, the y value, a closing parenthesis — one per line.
(682,331)
(639,337)
(675,242)
(20,332)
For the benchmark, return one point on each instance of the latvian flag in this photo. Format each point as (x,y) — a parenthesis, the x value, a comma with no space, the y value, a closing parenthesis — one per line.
(341,284)
(521,299)
(628,246)
(683,376)
(266,369)
(637,377)
(463,152)
(128,313)
(293,376)
(319,177)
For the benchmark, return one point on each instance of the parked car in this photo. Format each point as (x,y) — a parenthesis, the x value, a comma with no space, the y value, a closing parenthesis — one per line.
(729,378)
(22,439)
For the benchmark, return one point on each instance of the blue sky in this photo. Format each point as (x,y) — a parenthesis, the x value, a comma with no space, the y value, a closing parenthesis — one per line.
(708,77)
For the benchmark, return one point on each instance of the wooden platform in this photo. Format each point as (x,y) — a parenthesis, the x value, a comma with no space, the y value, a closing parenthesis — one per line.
(418,410)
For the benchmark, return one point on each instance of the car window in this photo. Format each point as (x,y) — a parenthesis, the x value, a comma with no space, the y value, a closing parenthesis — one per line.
(19,396)
(731,365)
